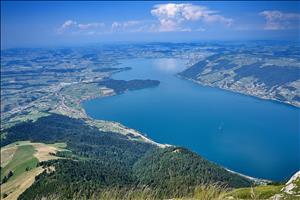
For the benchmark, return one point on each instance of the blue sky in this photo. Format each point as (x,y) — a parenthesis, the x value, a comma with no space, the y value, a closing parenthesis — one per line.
(34,24)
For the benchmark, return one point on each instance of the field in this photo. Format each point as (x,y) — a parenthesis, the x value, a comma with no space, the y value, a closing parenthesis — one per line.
(22,158)
(13,188)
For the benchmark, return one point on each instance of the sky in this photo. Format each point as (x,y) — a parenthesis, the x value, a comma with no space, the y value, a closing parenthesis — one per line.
(58,23)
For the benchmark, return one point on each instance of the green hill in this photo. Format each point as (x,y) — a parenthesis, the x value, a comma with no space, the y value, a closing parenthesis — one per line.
(99,161)
(177,171)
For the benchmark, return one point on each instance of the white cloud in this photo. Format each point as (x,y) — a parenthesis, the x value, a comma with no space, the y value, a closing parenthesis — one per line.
(123,26)
(132,26)
(75,27)
(66,25)
(91,25)
(132,23)
(171,16)
(116,25)
(277,20)
(94,28)
(184,17)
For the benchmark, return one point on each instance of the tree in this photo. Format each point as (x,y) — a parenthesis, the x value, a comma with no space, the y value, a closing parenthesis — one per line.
(4,195)
(4,180)
(10,174)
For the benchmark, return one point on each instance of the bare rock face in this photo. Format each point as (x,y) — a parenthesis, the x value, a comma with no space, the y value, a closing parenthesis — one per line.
(291,190)
(293,185)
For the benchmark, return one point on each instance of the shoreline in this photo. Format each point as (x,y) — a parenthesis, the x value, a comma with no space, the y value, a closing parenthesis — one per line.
(145,138)
(259,181)
(239,92)
(124,130)
(117,127)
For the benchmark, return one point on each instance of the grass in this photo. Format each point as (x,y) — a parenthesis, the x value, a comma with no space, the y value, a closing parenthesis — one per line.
(21,155)
(7,155)
(126,194)
(202,192)
(13,188)
(23,158)
(32,115)
(259,192)
(18,156)
(210,192)
(60,145)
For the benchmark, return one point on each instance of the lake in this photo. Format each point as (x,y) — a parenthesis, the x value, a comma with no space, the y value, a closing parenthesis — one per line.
(259,138)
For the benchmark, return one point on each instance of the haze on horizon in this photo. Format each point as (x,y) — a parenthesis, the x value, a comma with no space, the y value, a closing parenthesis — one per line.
(37,24)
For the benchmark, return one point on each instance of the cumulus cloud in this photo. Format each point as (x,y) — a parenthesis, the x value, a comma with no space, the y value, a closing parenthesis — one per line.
(171,16)
(183,17)
(277,20)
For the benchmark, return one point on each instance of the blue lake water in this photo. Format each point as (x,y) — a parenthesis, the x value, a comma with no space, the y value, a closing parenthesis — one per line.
(255,137)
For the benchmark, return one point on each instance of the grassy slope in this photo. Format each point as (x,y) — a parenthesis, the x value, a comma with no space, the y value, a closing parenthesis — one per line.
(21,155)
(7,155)
(15,187)
(287,191)
(22,159)
(202,192)
(259,192)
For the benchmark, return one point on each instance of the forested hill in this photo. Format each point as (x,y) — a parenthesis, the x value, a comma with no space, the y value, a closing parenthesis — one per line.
(100,160)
